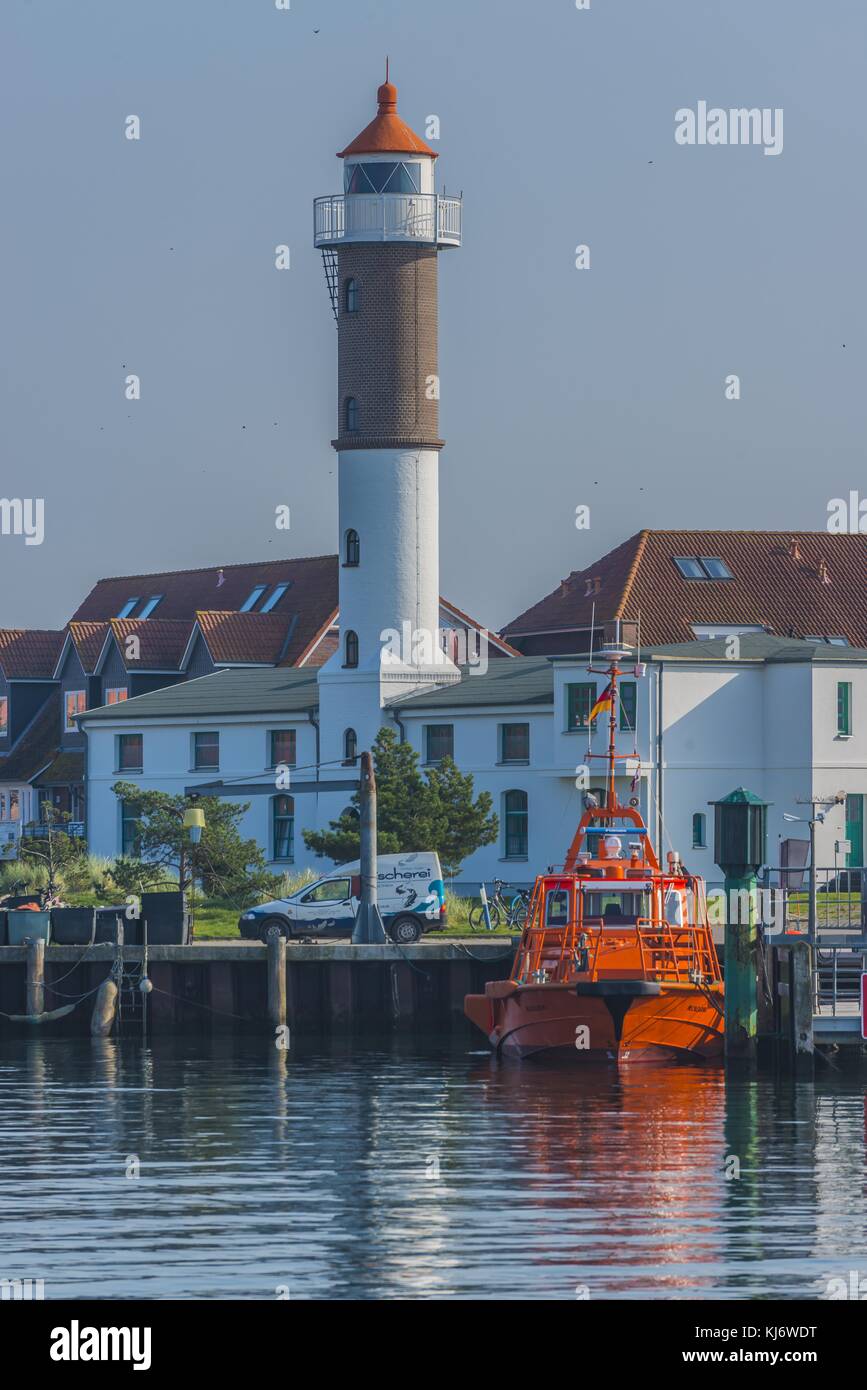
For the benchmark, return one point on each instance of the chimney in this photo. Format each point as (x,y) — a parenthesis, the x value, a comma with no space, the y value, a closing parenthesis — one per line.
(823,573)
(592,586)
(794,549)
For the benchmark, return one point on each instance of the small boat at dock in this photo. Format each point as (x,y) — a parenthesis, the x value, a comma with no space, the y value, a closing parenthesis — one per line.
(616,961)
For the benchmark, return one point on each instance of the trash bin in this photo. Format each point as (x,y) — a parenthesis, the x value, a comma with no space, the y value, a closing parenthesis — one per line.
(106,926)
(22,925)
(73,926)
(166,919)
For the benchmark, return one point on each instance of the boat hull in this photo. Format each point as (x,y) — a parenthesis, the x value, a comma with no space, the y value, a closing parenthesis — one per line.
(622,1022)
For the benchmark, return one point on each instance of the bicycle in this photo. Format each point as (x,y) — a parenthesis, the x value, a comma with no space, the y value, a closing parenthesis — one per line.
(514,911)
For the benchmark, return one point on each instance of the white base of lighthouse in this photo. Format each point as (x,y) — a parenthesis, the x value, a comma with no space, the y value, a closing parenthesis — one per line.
(390,598)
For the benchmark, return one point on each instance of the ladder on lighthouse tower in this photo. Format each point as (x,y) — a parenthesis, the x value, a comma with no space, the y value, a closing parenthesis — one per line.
(329,262)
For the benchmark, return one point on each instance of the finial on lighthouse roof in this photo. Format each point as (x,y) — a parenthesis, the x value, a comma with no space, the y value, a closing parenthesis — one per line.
(387,133)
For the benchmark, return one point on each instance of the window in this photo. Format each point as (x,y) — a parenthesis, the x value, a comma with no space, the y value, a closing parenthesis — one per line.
(699,830)
(273,599)
(4,716)
(350,300)
(514,743)
(283,827)
(714,567)
(130,751)
(844,707)
(352,415)
(350,649)
(350,747)
(515,822)
(115,694)
(130,833)
(580,700)
(282,747)
(126,611)
(439,742)
(151,605)
(834,641)
(334,890)
(76,703)
(206,751)
(251,601)
(14,806)
(702,567)
(617,909)
(353,548)
(382,177)
(628,703)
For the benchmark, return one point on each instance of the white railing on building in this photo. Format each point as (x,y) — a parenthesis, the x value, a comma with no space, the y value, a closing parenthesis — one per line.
(427,217)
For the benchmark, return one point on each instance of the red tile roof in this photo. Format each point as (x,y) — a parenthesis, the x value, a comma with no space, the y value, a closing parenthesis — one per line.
(37,746)
(88,639)
(387,132)
(777,584)
(245,637)
(161,642)
(29,654)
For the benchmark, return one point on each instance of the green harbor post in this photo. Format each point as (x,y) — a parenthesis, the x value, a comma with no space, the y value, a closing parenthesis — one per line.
(740,829)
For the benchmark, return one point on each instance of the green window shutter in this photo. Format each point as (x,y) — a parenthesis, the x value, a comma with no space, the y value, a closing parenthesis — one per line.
(844,707)
(581,698)
(628,704)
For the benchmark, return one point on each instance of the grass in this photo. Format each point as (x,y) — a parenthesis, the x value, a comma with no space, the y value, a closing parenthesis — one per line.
(217,920)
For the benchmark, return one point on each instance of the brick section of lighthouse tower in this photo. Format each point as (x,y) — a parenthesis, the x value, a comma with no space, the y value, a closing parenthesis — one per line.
(387,349)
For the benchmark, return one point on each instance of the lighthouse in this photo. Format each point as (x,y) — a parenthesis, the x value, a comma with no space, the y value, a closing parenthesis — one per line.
(380,241)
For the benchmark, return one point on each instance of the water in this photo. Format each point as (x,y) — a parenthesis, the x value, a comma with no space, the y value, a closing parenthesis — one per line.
(417,1170)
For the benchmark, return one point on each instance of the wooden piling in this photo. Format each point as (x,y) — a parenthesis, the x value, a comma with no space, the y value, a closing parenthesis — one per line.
(35,990)
(276,979)
(802,1006)
(104,1009)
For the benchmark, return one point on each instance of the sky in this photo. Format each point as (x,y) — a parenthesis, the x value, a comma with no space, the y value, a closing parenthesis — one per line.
(561,388)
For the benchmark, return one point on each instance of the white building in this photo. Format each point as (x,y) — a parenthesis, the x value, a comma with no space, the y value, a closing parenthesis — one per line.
(786,719)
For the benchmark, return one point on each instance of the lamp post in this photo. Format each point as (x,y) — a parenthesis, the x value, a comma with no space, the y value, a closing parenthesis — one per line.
(193,823)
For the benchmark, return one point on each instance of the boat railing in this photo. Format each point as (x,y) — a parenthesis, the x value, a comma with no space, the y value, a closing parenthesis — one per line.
(674,954)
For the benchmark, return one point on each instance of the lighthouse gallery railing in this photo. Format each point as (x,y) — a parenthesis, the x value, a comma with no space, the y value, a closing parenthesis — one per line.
(427,217)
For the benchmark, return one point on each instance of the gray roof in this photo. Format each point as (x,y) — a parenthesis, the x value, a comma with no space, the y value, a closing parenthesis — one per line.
(757,646)
(516,680)
(275,690)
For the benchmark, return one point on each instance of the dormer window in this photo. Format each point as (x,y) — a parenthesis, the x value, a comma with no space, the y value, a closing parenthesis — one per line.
(351,297)
(351,415)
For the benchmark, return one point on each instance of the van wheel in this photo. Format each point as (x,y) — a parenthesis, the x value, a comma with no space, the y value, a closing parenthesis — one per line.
(405,930)
(275,926)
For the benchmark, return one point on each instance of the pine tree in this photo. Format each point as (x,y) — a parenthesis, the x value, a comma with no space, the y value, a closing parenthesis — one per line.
(414,812)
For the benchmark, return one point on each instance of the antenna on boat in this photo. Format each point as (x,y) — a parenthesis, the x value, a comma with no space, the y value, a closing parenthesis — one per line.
(592,629)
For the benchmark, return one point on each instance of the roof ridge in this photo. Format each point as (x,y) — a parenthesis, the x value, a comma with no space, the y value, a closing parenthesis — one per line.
(205,569)
(633,570)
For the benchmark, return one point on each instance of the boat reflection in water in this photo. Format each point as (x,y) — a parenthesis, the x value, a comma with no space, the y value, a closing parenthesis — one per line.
(616,961)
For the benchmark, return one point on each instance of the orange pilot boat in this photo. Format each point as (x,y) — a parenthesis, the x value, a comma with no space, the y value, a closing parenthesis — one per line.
(616,962)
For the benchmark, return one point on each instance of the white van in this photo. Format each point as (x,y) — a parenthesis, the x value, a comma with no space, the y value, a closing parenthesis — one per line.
(411,901)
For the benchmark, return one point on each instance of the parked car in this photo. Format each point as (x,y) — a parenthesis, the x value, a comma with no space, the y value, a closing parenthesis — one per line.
(411,901)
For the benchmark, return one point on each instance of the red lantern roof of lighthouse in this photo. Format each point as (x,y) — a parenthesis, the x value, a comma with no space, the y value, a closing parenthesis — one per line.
(387,133)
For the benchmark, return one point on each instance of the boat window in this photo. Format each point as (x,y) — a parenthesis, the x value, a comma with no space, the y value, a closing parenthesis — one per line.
(616,909)
(557,908)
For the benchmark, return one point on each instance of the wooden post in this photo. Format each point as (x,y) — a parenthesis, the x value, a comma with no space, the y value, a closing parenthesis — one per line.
(369,928)
(276,947)
(35,995)
(104,1009)
(802,1005)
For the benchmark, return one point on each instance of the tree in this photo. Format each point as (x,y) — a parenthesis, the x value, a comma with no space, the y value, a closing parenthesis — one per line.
(225,865)
(414,812)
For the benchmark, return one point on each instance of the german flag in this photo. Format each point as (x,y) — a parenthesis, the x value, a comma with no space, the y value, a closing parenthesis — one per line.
(603,704)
